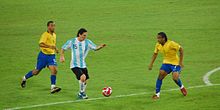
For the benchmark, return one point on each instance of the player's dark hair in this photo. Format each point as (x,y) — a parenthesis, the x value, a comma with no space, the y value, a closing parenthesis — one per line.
(48,23)
(81,31)
(163,35)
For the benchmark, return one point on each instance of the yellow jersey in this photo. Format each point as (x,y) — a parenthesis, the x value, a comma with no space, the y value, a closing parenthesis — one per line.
(48,39)
(170,52)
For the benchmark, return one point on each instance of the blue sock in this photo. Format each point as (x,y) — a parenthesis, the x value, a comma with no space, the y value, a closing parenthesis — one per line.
(178,82)
(53,79)
(28,75)
(158,85)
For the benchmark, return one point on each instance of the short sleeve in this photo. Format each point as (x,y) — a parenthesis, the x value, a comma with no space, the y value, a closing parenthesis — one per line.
(91,45)
(43,38)
(175,45)
(156,49)
(67,45)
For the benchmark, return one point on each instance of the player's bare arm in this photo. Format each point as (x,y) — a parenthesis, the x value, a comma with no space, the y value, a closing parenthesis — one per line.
(152,61)
(49,46)
(100,47)
(181,57)
(62,58)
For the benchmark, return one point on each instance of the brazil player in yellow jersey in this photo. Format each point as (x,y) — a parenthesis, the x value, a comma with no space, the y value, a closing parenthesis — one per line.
(46,57)
(172,63)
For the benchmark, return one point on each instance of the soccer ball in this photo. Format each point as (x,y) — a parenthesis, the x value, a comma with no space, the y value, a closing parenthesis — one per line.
(107,91)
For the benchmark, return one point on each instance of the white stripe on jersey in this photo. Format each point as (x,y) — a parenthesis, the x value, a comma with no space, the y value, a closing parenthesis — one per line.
(79,51)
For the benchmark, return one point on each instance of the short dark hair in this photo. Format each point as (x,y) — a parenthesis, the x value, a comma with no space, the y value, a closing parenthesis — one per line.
(48,23)
(163,35)
(81,31)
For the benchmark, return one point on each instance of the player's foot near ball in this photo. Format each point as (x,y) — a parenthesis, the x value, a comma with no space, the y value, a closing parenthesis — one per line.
(155,97)
(55,89)
(23,83)
(183,90)
(82,95)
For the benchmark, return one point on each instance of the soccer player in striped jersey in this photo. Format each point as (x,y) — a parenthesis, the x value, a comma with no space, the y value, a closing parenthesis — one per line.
(172,63)
(46,57)
(80,46)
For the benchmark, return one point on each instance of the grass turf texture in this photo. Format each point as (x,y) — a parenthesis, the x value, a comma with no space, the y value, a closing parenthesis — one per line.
(129,29)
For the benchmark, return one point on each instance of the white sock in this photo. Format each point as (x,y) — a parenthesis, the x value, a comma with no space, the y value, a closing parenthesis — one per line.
(158,94)
(24,78)
(52,86)
(81,86)
(84,88)
(181,87)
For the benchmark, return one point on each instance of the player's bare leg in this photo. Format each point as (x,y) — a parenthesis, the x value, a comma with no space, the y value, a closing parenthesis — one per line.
(28,75)
(53,70)
(82,87)
(161,76)
(177,80)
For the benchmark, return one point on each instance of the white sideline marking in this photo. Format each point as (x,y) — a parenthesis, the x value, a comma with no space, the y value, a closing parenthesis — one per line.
(205,79)
(206,76)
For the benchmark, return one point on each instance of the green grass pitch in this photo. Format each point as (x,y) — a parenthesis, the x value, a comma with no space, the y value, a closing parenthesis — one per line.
(129,29)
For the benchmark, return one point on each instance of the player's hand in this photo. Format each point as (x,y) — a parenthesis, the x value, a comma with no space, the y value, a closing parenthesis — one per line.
(150,67)
(57,50)
(102,45)
(62,59)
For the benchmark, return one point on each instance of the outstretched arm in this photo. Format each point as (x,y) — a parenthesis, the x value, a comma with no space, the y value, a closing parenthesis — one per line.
(100,47)
(152,61)
(62,58)
(181,57)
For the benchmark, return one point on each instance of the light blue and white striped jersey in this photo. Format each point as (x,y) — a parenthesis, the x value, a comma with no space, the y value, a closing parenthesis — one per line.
(79,51)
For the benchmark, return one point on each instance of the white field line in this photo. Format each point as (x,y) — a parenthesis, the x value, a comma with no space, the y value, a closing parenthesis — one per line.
(205,79)
(206,76)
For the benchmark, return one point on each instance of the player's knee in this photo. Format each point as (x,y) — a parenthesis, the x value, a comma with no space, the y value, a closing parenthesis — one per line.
(35,72)
(54,72)
(175,77)
(162,75)
(83,78)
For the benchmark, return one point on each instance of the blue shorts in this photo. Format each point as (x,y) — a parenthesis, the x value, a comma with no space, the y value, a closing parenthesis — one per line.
(44,60)
(168,68)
